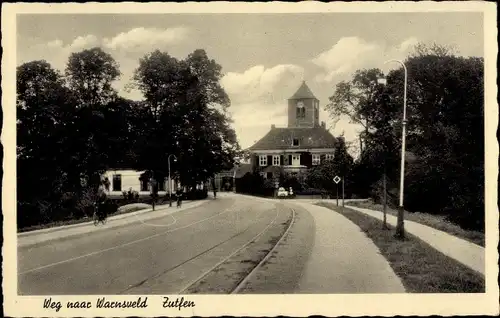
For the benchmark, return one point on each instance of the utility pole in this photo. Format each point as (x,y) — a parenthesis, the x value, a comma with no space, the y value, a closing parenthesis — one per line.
(343,197)
(400,233)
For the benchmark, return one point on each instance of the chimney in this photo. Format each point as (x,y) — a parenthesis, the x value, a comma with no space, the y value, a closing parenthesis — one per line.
(273,126)
(323,125)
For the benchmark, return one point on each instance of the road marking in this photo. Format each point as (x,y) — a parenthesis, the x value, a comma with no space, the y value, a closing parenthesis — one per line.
(125,244)
(233,253)
(245,280)
(159,225)
(131,286)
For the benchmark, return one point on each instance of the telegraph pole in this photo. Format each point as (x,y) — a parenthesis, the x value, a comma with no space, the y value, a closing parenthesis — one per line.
(343,198)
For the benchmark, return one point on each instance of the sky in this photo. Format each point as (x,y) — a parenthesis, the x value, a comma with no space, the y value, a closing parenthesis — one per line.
(264,57)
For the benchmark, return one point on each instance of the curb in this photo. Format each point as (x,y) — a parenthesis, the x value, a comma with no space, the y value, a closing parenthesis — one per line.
(112,218)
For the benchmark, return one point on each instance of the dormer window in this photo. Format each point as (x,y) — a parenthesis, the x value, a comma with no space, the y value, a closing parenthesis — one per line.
(295,142)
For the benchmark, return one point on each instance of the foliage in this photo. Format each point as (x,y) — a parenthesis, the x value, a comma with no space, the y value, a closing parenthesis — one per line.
(445,140)
(254,184)
(356,99)
(321,176)
(72,128)
(179,100)
(89,74)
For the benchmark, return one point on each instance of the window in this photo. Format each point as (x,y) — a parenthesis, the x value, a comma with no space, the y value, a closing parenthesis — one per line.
(117,182)
(329,156)
(276,160)
(295,160)
(262,161)
(316,159)
(301,112)
(161,184)
(144,184)
(269,175)
(295,142)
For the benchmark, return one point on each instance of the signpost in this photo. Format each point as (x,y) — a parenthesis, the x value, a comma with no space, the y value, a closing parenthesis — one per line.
(337,179)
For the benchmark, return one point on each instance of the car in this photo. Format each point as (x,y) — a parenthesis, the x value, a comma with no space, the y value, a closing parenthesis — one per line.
(282,192)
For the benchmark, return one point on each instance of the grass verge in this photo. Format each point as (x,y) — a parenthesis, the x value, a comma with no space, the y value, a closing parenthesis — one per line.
(437,222)
(421,268)
(81,220)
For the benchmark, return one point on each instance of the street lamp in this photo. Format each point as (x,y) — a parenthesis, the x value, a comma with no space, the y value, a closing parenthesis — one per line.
(170,180)
(400,223)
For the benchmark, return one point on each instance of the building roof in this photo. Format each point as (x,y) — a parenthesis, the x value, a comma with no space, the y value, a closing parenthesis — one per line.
(241,170)
(304,92)
(282,138)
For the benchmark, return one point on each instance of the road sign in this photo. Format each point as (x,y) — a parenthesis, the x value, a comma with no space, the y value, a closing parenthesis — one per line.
(336,179)
(277,185)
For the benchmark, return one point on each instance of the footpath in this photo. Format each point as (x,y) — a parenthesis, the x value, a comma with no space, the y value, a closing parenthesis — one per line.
(343,259)
(26,239)
(467,253)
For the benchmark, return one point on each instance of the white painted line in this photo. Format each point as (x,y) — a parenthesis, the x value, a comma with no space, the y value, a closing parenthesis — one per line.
(233,253)
(242,284)
(123,245)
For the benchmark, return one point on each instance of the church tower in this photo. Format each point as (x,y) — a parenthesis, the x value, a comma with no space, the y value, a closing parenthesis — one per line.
(303,108)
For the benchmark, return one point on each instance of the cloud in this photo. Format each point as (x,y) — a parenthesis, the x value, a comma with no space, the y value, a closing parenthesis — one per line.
(125,47)
(258,98)
(260,84)
(352,53)
(84,42)
(144,39)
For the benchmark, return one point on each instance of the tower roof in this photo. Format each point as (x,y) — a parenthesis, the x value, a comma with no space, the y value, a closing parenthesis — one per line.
(304,92)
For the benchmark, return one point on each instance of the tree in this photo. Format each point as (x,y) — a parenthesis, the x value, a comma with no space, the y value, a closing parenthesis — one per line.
(43,104)
(181,99)
(447,115)
(356,100)
(366,103)
(89,74)
(445,134)
(209,73)
(321,176)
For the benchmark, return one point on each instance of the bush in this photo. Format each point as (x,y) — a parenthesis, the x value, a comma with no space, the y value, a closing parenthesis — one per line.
(130,195)
(196,194)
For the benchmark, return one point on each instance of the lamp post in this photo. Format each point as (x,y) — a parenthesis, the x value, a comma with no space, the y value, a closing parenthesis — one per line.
(170,180)
(400,221)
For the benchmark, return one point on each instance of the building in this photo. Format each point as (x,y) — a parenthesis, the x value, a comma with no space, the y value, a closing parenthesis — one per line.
(304,143)
(128,179)
(226,180)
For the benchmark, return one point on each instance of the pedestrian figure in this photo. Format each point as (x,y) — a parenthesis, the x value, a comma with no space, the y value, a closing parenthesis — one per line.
(179,197)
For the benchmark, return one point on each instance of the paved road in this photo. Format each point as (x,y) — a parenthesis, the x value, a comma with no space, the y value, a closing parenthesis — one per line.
(151,253)
(139,258)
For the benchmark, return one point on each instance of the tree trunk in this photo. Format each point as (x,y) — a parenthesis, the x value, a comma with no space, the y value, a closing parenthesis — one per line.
(385,194)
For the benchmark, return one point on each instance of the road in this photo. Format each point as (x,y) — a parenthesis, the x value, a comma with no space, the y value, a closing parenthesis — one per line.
(166,255)
(234,244)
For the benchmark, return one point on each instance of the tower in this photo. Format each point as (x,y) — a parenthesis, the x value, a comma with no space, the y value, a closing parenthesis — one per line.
(303,108)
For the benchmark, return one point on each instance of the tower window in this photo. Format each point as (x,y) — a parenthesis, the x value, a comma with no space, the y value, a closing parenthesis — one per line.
(301,112)
(295,142)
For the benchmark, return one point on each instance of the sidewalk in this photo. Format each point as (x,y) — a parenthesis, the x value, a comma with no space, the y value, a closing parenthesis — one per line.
(343,259)
(39,236)
(467,253)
